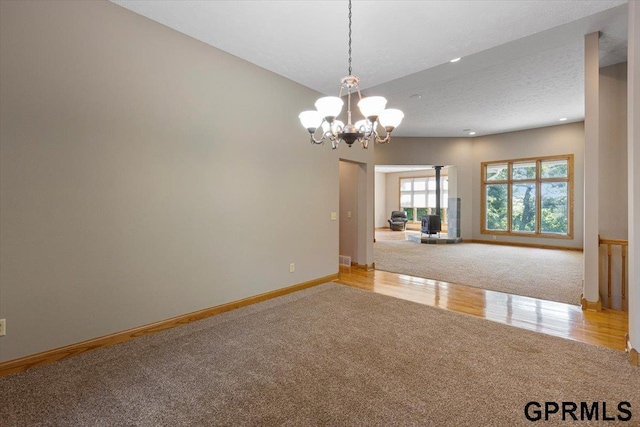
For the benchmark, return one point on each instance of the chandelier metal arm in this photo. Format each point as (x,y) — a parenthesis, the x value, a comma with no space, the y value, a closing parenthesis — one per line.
(367,133)
(358,90)
(384,140)
(364,141)
(325,135)
(316,141)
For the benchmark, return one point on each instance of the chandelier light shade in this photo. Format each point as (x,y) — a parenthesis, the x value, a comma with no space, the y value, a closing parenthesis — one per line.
(310,119)
(372,108)
(391,118)
(329,107)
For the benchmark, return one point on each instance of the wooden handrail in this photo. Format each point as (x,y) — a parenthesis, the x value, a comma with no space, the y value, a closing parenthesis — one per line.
(623,276)
(613,242)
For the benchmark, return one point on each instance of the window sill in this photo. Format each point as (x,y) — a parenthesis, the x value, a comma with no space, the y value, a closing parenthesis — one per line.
(533,235)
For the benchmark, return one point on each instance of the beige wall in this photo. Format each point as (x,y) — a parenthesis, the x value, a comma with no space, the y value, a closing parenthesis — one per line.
(380,209)
(613,212)
(466,155)
(433,151)
(141,176)
(365,222)
(349,204)
(126,165)
(633,168)
(591,204)
(613,152)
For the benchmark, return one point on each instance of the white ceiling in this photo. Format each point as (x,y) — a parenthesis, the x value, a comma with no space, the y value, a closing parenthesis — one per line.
(521,67)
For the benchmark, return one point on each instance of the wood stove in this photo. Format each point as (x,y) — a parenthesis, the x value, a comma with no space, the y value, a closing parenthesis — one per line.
(430,225)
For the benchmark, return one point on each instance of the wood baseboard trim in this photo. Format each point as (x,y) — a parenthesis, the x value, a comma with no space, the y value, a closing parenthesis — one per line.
(634,356)
(50,356)
(366,267)
(525,245)
(590,305)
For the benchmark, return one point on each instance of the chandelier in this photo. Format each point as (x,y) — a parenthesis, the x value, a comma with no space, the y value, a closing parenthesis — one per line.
(373,110)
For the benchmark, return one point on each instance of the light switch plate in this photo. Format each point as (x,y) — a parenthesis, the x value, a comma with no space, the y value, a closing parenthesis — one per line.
(334,216)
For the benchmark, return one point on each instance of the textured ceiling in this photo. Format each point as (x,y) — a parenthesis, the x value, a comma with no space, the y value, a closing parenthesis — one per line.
(521,67)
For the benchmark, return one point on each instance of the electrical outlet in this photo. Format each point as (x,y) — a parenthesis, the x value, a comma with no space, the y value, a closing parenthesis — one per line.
(494,237)
(3,327)
(348,214)
(292,268)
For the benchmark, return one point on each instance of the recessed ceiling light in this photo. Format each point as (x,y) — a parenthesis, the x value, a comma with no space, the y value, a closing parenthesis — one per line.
(564,119)
(472,133)
(455,60)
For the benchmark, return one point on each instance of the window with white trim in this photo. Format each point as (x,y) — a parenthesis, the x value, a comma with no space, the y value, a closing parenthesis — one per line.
(418,197)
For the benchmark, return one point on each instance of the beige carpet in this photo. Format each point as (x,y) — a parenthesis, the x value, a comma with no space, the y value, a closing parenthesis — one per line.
(330,355)
(548,274)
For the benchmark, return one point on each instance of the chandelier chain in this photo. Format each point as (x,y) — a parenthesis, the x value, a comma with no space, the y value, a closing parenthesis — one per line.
(328,108)
(349,38)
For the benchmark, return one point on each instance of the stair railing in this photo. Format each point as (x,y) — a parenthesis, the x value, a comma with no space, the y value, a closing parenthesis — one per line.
(623,274)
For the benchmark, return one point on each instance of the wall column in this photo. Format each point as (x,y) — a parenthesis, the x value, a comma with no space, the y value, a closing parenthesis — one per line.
(633,141)
(366,224)
(590,290)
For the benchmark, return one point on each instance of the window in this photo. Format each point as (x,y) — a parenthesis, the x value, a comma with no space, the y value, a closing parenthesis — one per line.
(530,197)
(418,197)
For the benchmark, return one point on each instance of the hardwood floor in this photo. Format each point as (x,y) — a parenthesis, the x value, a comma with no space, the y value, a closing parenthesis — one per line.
(607,328)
